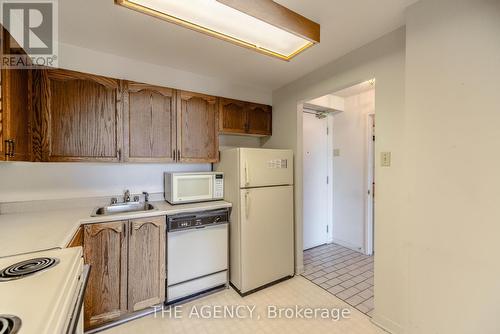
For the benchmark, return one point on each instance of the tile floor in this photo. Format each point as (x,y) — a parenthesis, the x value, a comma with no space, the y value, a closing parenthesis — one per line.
(295,291)
(343,272)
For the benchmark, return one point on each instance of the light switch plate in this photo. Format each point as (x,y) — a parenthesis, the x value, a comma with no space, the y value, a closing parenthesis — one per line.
(336,152)
(385,159)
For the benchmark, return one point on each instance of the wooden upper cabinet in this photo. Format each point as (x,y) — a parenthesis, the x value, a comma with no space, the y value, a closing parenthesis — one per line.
(15,115)
(80,117)
(246,118)
(146,272)
(260,119)
(149,123)
(105,249)
(232,116)
(15,112)
(197,134)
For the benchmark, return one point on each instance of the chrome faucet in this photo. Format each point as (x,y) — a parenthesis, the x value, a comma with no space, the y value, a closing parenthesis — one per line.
(146,196)
(126,196)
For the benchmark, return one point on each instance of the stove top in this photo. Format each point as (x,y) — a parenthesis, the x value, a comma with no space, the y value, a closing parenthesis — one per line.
(27,268)
(9,324)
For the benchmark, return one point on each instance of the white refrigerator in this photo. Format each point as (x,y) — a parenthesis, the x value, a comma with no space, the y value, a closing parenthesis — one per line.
(259,184)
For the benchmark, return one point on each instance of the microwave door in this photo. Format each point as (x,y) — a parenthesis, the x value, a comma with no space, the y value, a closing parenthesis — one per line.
(191,188)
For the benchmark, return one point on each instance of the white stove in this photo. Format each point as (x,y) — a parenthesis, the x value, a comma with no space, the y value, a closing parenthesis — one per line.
(42,293)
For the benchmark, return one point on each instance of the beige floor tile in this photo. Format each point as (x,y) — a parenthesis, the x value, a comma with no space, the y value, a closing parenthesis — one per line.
(348,273)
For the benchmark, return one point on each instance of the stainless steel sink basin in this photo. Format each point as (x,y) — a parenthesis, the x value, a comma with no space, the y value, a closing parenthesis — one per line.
(115,209)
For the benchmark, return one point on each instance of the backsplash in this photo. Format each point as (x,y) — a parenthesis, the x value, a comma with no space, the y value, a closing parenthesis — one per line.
(22,181)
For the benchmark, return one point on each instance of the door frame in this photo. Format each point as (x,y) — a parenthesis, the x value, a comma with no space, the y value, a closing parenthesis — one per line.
(370,185)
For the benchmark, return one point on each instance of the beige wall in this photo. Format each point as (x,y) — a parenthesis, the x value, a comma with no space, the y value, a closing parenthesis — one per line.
(437,206)
(384,60)
(350,174)
(453,131)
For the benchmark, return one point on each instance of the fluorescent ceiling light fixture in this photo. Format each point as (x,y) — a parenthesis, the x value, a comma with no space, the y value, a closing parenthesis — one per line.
(261,25)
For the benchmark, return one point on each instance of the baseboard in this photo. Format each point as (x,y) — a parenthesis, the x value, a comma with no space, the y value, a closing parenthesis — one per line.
(387,324)
(348,245)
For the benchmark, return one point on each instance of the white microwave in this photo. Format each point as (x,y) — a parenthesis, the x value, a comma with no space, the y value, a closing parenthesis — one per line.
(194,187)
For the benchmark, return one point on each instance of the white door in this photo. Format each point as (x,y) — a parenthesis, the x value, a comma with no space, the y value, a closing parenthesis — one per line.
(267,252)
(263,167)
(315,170)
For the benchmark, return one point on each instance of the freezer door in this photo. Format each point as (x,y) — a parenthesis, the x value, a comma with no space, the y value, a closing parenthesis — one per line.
(261,167)
(267,252)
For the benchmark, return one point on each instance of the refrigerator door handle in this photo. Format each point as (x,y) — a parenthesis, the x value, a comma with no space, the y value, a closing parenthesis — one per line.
(247,178)
(247,204)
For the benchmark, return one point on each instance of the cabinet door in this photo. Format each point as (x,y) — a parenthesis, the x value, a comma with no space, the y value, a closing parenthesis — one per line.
(15,143)
(259,119)
(81,117)
(232,116)
(197,135)
(16,115)
(105,249)
(149,127)
(146,271)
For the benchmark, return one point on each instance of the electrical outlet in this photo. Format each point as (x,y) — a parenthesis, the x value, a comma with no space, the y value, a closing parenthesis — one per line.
(336,152)
(385,159)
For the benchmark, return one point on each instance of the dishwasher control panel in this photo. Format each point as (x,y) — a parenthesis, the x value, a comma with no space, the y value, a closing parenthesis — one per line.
(197,220)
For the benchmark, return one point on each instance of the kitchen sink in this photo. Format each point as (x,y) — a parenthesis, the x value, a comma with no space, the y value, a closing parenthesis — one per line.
(115,209)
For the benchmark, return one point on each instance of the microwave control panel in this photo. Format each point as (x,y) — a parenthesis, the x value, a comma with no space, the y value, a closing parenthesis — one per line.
(219,186)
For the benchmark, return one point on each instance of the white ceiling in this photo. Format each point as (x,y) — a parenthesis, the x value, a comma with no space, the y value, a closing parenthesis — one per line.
(345,25)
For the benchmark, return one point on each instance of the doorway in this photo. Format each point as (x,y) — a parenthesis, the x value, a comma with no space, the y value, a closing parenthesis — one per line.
(340,261)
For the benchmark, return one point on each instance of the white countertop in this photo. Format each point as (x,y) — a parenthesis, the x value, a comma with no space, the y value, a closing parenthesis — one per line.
(35,231)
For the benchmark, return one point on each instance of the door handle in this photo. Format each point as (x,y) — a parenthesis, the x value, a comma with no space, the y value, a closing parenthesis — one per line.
(247,177)
(247,204)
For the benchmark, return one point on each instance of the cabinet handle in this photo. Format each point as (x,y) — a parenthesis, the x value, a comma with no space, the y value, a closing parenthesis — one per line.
(10,148)
(178,155)
(173,155)
(119,154)
(6,148)
(13,146)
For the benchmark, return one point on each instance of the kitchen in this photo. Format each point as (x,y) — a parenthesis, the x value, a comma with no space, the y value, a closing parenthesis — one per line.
(152,174)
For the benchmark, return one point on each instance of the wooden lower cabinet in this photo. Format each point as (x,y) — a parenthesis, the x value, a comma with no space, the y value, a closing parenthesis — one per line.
(146,260)
(105,249)
(77,240)
(127,260)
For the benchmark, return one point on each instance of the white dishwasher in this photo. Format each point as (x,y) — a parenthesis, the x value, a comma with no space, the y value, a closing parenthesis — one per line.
(197,253)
